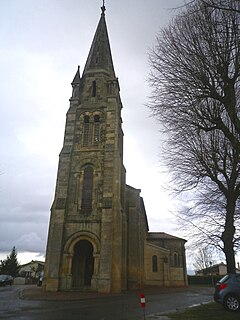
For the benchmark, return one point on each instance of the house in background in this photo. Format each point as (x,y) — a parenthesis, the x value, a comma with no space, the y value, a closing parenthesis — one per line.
(219,269)
(31,270)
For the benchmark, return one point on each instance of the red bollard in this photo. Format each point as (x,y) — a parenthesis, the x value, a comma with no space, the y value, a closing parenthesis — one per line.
(142,300)
(143,303)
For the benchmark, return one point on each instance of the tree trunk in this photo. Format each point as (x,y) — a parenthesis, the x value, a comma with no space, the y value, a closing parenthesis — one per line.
(228,235)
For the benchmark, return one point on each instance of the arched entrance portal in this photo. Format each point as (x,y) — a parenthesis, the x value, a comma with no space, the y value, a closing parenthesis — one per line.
(82,264)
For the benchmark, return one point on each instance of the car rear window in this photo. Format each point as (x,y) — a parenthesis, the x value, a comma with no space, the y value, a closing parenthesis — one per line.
(224,279)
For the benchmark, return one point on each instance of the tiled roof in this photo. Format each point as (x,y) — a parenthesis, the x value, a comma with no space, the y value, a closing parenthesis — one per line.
(162,236)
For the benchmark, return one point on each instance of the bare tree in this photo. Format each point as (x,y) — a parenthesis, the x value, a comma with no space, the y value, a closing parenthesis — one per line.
(196,95)
(218,4)
(203,258)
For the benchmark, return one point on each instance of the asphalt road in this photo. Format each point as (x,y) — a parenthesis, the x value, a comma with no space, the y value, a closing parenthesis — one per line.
(113,307)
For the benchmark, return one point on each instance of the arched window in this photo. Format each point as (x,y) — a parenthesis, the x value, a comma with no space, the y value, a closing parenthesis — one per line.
(154,264)
(86,130)
(96,129)
(87,189)
(175,259)
(91,130)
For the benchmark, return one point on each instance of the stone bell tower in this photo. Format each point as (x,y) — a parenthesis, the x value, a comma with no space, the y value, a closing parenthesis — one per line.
(86,247)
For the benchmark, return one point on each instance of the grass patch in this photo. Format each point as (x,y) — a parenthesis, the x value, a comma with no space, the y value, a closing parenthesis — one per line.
(206,311)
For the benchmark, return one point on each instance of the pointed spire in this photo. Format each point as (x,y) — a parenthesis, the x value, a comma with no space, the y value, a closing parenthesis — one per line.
(76,85)
(100,57)
(76,79)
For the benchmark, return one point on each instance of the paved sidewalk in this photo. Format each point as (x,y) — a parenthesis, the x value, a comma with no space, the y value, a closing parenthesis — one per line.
(33,292)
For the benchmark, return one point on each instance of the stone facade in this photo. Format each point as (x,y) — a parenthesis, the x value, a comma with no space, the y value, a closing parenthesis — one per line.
(170,260)
(98,234)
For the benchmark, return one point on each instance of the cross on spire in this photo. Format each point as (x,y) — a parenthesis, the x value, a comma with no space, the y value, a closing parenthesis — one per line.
(103,7)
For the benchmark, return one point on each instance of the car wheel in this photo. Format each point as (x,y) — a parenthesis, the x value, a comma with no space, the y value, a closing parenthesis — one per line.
(231,303)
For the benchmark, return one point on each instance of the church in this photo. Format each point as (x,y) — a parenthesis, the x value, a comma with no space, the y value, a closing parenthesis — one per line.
(98,237)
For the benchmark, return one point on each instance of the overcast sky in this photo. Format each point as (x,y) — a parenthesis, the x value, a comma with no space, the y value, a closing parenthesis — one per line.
(42,43)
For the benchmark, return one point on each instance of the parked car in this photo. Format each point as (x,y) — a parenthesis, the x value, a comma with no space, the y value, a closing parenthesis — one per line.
(227,292)
(6,280)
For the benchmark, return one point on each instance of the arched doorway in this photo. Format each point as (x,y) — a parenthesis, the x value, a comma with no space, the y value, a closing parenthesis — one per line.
(82,264)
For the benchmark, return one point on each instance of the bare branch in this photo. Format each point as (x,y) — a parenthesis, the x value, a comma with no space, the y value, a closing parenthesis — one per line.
(195,80)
